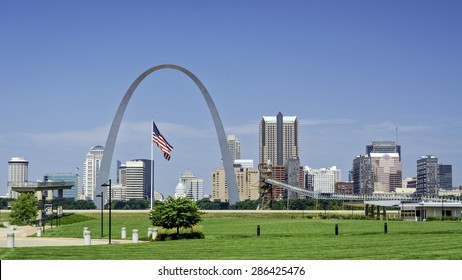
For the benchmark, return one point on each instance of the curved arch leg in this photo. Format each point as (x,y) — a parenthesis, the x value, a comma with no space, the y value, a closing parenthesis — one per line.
(112,136)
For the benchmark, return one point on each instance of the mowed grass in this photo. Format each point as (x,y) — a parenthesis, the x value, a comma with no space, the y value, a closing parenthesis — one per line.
(233,236)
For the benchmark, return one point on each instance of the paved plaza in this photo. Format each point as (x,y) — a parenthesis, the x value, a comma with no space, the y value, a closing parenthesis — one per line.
(22,238)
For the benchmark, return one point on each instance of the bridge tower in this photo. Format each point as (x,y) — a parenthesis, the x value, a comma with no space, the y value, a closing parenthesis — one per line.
(265,189)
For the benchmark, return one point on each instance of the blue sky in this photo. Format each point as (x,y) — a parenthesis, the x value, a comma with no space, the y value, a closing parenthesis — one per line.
(351,71)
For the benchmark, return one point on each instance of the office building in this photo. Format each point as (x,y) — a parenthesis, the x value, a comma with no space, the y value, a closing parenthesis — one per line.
(279,139)
(135,179)
(322,180)
(294,176)
(68,194)
(362,175)
(279,145)
(18,173)
(91,168)
(383,147)
(427,175)
(445,176)
(247,182)
(234,147)
(379,170)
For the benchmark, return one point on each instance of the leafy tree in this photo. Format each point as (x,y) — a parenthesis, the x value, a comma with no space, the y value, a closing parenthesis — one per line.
(4,202)
(137,204)
(24,209)
(175,213)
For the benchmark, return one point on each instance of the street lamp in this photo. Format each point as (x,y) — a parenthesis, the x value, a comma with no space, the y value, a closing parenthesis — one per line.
(102,207)
(109,206)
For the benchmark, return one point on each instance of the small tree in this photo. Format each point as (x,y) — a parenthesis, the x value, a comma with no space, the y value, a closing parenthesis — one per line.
(175,213)
(24,209)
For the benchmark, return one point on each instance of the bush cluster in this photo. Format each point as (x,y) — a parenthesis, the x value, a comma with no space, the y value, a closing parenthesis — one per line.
(446,218)
(174,236)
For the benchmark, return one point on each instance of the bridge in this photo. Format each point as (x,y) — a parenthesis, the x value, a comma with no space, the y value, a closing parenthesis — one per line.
(359,197)
(373,202)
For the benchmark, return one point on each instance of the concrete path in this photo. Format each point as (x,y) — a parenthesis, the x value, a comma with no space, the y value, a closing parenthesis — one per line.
(21,238)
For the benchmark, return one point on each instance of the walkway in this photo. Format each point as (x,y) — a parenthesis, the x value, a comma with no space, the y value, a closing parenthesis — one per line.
(22,239)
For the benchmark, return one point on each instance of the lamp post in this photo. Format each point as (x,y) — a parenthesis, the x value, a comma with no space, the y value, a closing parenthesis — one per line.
(109,206)
(102,207)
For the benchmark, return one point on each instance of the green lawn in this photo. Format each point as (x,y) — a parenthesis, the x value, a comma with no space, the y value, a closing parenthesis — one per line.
(283,237)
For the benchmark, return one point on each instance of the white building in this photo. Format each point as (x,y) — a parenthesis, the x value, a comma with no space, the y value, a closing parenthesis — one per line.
(134,179)
(246,163)
(180,190)
(194,187)
(18,172)
(234,147)
(323,180)
(91,168)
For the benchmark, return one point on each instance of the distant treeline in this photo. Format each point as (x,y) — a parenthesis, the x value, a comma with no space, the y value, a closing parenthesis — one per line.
(292,204)
(205,204)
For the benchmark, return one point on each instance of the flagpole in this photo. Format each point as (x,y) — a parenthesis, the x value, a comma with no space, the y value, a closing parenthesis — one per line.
(152,164)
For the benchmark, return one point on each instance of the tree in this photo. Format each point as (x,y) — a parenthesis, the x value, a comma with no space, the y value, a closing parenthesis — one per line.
(138,203)
(175,213)
(24,209)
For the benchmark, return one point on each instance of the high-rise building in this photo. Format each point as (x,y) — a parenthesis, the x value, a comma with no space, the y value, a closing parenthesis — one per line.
(72,193)
(383,147)
(135,179)
(91,168)
(379,170)
(427,175)
(445,176)
(147,177)
(387,172)
(362,175)
(18,172)
(247,182)
(278,139)
(294,176)
(234,147)
(194,187)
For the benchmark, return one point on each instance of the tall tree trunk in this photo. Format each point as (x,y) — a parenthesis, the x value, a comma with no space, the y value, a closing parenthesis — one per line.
(177,232)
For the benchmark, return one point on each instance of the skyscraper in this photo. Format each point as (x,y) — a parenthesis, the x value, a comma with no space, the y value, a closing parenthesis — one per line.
(383,147)
(379,170)
(445,176)
(91,170)
(427,175)
(278,139)
(135,179)
(234,147)
(362,175)
(18,172)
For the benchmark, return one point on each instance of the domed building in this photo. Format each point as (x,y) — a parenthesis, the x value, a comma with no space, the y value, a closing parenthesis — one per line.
(180,190)
(194,187)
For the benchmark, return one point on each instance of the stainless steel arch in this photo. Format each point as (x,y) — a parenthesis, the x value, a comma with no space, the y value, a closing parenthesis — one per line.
(112,136)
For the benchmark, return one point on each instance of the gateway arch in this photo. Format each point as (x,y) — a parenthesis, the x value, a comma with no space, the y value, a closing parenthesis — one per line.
(112,136)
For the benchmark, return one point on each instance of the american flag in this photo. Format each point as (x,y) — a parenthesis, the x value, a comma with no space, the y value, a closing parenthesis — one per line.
(161,142)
